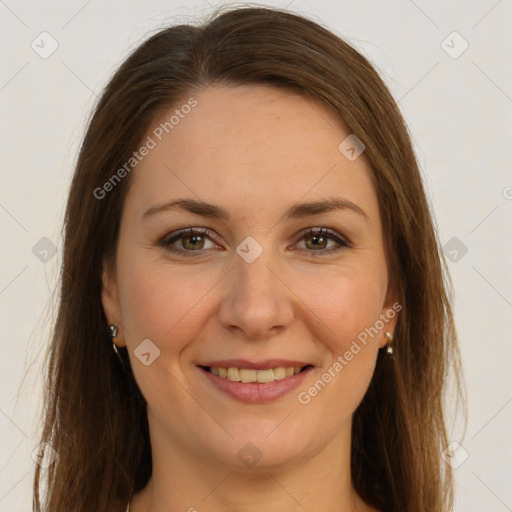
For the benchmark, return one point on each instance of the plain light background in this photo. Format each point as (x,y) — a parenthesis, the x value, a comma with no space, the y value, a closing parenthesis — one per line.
(457,104)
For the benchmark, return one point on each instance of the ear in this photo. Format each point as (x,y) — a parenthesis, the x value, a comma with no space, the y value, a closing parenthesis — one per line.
(389,314)
(110,300)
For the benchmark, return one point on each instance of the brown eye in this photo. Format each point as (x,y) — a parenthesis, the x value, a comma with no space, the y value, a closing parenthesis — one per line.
(192,242)
(316,241)
(188,242)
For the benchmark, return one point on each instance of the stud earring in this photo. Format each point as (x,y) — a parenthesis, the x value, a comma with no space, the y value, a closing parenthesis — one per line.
(113,333)
(389,347)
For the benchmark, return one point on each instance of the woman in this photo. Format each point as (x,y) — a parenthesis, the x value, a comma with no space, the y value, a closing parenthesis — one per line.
(253,314)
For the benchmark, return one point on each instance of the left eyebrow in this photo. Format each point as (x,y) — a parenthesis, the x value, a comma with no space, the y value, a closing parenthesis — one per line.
(301,210)
(296,211)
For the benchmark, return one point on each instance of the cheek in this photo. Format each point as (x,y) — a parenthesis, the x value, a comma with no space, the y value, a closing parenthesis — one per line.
(161,303)
(348,310)
(166,306)
(346,304)
(351,305)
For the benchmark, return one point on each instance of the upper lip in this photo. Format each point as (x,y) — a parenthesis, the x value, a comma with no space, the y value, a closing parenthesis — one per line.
(254,365)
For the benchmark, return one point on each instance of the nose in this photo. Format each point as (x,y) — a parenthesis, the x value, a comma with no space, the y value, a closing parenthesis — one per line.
(256,302)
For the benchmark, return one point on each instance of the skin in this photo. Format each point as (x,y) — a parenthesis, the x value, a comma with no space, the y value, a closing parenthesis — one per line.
(255,151)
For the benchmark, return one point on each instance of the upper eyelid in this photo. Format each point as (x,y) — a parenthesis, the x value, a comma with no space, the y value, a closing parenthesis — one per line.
(189,231)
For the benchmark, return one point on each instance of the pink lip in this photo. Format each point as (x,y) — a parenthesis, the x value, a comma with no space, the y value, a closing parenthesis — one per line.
(254,365)
(254,392)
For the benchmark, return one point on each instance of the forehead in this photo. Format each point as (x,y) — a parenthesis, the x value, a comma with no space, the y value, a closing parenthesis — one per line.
(246,147)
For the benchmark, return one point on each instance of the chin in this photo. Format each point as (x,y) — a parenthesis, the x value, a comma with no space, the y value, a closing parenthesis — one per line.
(256,448)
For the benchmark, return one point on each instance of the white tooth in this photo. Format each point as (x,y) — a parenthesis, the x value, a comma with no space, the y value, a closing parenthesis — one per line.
(247,375)
(251,375)
(234,374)
(279,373)
(265,376)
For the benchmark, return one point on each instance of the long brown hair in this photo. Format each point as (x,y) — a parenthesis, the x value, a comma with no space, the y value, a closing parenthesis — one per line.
(95,415)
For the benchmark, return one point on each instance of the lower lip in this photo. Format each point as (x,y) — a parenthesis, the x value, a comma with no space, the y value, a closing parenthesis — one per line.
(254,392)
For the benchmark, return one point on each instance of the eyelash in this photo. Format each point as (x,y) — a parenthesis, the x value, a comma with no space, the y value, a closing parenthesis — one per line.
(170,239)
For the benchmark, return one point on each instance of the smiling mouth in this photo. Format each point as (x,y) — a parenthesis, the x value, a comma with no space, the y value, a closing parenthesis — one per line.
(250,375)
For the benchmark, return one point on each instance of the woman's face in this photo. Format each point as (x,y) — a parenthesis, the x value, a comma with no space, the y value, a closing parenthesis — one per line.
(252,290)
